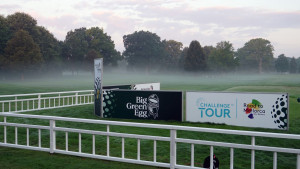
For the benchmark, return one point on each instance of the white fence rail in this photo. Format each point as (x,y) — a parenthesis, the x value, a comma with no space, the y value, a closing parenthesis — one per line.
(172,140)
(40,101)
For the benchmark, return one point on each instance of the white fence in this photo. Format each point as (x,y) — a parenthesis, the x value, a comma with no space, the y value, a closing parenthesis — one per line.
(172,140)
(39,101)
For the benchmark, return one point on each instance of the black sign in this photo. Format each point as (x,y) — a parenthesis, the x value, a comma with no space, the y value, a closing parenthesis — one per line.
(131,104)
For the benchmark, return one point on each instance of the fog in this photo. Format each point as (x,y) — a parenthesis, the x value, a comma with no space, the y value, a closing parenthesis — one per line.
(171,80)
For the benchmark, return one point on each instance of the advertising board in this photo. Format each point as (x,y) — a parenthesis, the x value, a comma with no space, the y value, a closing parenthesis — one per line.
(111,87)
(143,86)
(264,110)
(98,74)
(142,104)
(146,86)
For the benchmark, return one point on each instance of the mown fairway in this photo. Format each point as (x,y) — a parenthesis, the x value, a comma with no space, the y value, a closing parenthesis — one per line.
(16,158)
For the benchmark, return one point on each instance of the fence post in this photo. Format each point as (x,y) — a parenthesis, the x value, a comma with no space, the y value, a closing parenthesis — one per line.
(172,149)
(252,153)
(52,136)
(4,120)
(39,102)
(275,160)
(107,141)
(211,164)
(298,161)
(76,95)
(16,102)
(231,158)
(59,100)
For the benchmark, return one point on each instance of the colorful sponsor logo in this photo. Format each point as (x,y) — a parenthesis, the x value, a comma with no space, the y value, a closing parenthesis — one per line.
(253,109)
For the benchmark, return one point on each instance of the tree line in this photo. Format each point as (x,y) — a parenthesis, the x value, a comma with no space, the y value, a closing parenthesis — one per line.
(26,49)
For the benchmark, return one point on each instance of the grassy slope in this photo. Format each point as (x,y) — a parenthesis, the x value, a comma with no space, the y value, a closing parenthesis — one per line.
(15,158)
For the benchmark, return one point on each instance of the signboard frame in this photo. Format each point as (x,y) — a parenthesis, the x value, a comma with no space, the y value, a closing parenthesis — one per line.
(98,92)
(239,93)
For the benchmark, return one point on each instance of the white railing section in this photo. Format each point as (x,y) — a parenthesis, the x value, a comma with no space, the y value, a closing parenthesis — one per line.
(40,101)
(172,139)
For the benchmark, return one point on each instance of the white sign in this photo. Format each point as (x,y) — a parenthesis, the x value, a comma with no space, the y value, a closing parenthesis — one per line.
(146,86)
(239,109)
(98,71)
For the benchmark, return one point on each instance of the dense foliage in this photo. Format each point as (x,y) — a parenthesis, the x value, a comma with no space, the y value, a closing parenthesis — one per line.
(282,63)
(256,55)
(143,50)
(222,59)
(195,59)
(27,48)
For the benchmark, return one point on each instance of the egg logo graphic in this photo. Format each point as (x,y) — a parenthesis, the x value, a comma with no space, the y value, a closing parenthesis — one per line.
(153,105)
(279,111)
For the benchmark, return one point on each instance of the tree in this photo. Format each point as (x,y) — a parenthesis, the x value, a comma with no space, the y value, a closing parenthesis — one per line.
(173,50)
(5,34)
(50,49)
(103,45)
(257,54)
(293,65)
(143,50)
(81,42)
(282,63)
(298,64)
(20,20)
(3,65)
(195,59)
(207,51)
(183,55)
(76,48)
(91,55)
(222,59)
(23,54)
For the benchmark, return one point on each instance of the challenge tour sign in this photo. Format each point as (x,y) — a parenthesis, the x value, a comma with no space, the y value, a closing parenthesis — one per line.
(98,70)
(133,104)
(268,110)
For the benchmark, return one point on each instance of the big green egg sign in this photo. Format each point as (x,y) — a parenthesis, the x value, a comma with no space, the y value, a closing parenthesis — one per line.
(130,104)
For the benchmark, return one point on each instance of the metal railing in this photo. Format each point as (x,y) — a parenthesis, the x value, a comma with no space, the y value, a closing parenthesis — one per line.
(39,101)
(172,140)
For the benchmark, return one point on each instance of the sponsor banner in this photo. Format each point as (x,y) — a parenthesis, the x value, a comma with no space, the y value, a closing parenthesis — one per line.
(117,87)
(146,86)
(269,110)
(98,72)
(131,104)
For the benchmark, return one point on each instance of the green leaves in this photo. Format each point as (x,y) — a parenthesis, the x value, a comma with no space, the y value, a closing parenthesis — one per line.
(222,59)
(23,53)
(83,45)
(257,55)
(195,59)
(143,50)
(282,63)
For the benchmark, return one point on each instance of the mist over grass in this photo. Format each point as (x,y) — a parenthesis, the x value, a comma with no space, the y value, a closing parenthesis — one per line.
(231,82)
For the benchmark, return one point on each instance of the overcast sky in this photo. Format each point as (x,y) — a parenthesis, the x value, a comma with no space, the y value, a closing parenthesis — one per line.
(208,21)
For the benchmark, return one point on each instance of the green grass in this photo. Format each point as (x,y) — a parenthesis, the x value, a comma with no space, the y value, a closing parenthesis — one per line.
(17,158)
